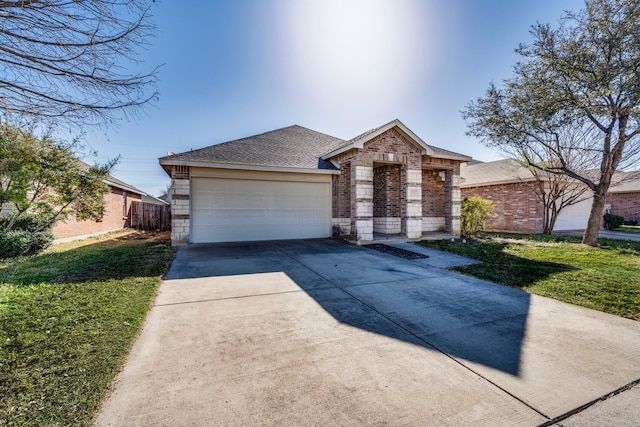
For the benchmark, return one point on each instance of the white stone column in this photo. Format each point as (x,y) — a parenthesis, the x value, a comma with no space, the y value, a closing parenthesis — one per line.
(452,189)
(180,211)
(363,215)
(413,202)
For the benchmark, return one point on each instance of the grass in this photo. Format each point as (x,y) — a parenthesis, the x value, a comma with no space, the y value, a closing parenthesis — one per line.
(606,278)
(635,229)
(67,320)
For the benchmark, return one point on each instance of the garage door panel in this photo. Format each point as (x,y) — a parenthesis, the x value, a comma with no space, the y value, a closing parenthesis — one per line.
(574,217)
(241,210)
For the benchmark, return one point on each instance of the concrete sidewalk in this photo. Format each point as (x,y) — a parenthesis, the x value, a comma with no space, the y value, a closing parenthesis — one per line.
(607,234)
(325,333)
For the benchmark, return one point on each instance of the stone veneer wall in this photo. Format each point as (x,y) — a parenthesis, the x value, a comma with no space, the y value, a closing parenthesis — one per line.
(180,206)
(453,196)
(362,210)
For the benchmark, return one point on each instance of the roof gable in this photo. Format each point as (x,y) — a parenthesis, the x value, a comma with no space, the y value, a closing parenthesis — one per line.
(359,141)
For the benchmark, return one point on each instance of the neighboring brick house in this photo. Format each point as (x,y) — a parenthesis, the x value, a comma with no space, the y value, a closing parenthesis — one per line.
(297,183)
(624,200)
(511,187)
(115,216)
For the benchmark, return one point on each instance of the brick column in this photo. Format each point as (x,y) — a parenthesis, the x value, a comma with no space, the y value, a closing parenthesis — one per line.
(180,211)
(341,201)
(412,218)
(453,201)
(362,203)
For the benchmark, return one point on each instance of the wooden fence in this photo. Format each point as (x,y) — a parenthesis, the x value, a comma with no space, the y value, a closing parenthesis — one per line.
(149,216)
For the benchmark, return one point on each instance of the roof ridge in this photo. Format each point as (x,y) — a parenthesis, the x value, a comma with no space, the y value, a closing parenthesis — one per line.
(370,131)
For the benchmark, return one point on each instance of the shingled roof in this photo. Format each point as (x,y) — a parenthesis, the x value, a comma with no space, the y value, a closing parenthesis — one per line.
(509,171)
(113,181)
(505,171)
(292,147)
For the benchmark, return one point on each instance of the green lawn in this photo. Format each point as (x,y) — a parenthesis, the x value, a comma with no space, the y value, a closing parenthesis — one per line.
(67,320)
(606,278)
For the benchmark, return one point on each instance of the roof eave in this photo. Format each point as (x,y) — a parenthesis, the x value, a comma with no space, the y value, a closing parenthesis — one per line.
(460,157)
(237,166)
(122,187)
(493,183)
(337,151)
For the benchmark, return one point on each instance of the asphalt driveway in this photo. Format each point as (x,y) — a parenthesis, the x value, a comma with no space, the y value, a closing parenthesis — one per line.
(325,333)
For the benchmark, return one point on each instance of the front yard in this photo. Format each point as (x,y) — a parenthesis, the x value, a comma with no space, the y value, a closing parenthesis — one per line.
(606,278)
(67,320)
(69,316)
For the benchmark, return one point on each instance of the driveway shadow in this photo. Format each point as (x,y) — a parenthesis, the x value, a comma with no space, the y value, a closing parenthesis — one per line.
(458,315)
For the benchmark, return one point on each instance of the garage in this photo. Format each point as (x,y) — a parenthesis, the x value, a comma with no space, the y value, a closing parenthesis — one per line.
(574,217)
(268,206)
(270,186)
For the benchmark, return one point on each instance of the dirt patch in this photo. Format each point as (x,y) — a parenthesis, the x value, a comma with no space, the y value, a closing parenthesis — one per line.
(397,252)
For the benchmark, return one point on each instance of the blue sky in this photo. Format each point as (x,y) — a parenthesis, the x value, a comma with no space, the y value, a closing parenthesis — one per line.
(238,68)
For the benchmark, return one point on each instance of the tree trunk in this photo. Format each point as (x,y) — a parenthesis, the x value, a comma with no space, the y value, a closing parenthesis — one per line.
(595,218)
(552,221)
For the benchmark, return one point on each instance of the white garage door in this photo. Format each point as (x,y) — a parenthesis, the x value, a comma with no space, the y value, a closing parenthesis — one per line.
(228,210)
(574,217)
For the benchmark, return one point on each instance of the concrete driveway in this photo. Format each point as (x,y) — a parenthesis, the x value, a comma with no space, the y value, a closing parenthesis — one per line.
(325,333)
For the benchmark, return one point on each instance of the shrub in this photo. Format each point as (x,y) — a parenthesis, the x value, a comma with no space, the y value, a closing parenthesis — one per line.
(475,212)
(14,243)
(40,241)
(611,222)
(26,222)
(21,240)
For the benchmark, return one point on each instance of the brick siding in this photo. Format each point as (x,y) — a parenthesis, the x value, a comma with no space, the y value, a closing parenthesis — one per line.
(626,205)
(112,218)
(516,206)
(433,194)
(341,202)
(386,191)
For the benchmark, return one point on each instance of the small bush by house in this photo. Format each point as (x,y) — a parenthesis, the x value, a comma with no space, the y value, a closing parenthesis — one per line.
(474,213)
(22,238)
(611,222)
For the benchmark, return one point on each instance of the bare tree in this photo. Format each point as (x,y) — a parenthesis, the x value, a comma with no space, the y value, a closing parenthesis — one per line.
(69,59)
(556,192)
(584,71)
(573,145)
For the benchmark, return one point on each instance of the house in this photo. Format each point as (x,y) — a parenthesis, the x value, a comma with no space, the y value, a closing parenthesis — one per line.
(116,214)
(511,187)
(294,183)
(624,199)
